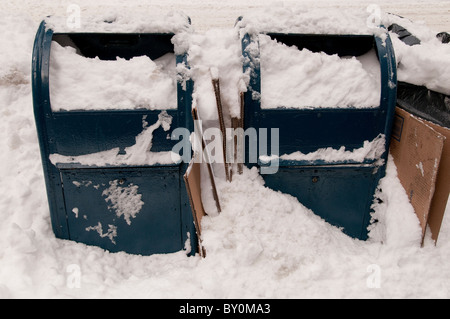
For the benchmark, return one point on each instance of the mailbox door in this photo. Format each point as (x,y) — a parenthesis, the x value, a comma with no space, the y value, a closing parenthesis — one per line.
(136,210)
(342,195)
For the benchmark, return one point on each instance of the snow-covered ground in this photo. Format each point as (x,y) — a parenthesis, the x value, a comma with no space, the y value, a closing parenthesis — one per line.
(264,244)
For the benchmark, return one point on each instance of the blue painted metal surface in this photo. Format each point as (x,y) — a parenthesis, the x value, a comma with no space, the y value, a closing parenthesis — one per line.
(340,192)
(78,195)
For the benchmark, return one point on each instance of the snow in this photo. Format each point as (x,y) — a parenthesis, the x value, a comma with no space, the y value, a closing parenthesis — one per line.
(418,67)
(293,78)
(125,201)
(427,64)
(372,150)
(215,53)
(111,233)
(305,20)
(112,20)
(264,244)
(80,83)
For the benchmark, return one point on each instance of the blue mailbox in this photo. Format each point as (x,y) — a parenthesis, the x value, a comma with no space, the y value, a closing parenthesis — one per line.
(138,209)
(341,191)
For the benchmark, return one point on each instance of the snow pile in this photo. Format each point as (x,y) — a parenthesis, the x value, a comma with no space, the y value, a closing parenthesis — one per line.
(118,19)
(265,244)
(426,64)
(215,54)
(298,19)
(397,224)
(295,78)
(80,83)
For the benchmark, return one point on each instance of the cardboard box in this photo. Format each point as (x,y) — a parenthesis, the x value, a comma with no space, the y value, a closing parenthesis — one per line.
(421,152)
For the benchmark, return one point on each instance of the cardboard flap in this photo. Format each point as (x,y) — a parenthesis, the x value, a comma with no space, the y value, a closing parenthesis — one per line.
(442,189)
(417,148)
(192,180)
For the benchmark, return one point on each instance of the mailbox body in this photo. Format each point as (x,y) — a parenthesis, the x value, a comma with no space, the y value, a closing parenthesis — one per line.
(140,209)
